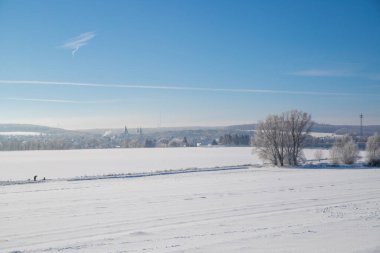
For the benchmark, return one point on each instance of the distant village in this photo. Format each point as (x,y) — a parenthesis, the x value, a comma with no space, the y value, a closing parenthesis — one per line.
(45,138)
(126,139)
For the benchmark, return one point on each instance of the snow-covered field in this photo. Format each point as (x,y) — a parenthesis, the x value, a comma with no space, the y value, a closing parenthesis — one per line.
(21,133)
(251,209)
(321,135)
(23,165)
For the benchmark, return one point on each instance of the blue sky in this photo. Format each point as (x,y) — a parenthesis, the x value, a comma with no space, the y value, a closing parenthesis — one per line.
(100,64)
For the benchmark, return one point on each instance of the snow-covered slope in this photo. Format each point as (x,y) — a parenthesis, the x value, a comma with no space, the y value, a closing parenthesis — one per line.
(252,210)
(23,165)
(21,133)
(321,135)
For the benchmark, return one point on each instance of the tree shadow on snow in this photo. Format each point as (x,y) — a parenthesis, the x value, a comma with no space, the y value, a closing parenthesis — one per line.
(356,166)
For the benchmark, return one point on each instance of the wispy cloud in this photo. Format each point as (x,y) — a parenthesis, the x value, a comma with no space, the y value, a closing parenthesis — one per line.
(336,73)
(320,73)
(75,43)
(63,101)
(175,88)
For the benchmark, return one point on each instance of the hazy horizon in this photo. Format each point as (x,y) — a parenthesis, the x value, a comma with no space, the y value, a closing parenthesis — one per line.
(163,127)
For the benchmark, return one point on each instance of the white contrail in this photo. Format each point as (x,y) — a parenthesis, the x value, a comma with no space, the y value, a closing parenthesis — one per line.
(322,73)
(75,43)
(179,88)
(63,101)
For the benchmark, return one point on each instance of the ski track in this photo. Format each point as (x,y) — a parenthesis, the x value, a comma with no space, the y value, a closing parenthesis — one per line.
(251,210)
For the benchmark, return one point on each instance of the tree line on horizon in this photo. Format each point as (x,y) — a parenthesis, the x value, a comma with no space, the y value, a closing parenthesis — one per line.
(91,141)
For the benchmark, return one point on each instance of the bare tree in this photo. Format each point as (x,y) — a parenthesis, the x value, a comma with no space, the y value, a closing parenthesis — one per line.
(373,150)
(335,154)
(350,152)
(344,151)
(270,140)
(280,138)
(263,140)
(318,155)
(298,126)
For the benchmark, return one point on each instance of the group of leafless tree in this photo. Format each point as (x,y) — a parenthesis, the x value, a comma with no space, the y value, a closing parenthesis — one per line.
(280,138)
(344,151)
(373,150)
(234,140)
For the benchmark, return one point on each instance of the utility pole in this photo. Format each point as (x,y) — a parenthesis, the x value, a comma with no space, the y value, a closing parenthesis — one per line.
(361,125)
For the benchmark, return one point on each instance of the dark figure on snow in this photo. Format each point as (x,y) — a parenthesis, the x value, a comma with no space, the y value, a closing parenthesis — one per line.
(35,178)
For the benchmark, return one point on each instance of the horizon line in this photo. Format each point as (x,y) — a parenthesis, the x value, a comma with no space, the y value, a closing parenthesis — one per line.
(168,127)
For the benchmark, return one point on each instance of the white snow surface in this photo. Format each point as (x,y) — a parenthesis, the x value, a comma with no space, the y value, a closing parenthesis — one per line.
(321,135)
(21,133)
(23,165)
(216,206)
(252,210)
